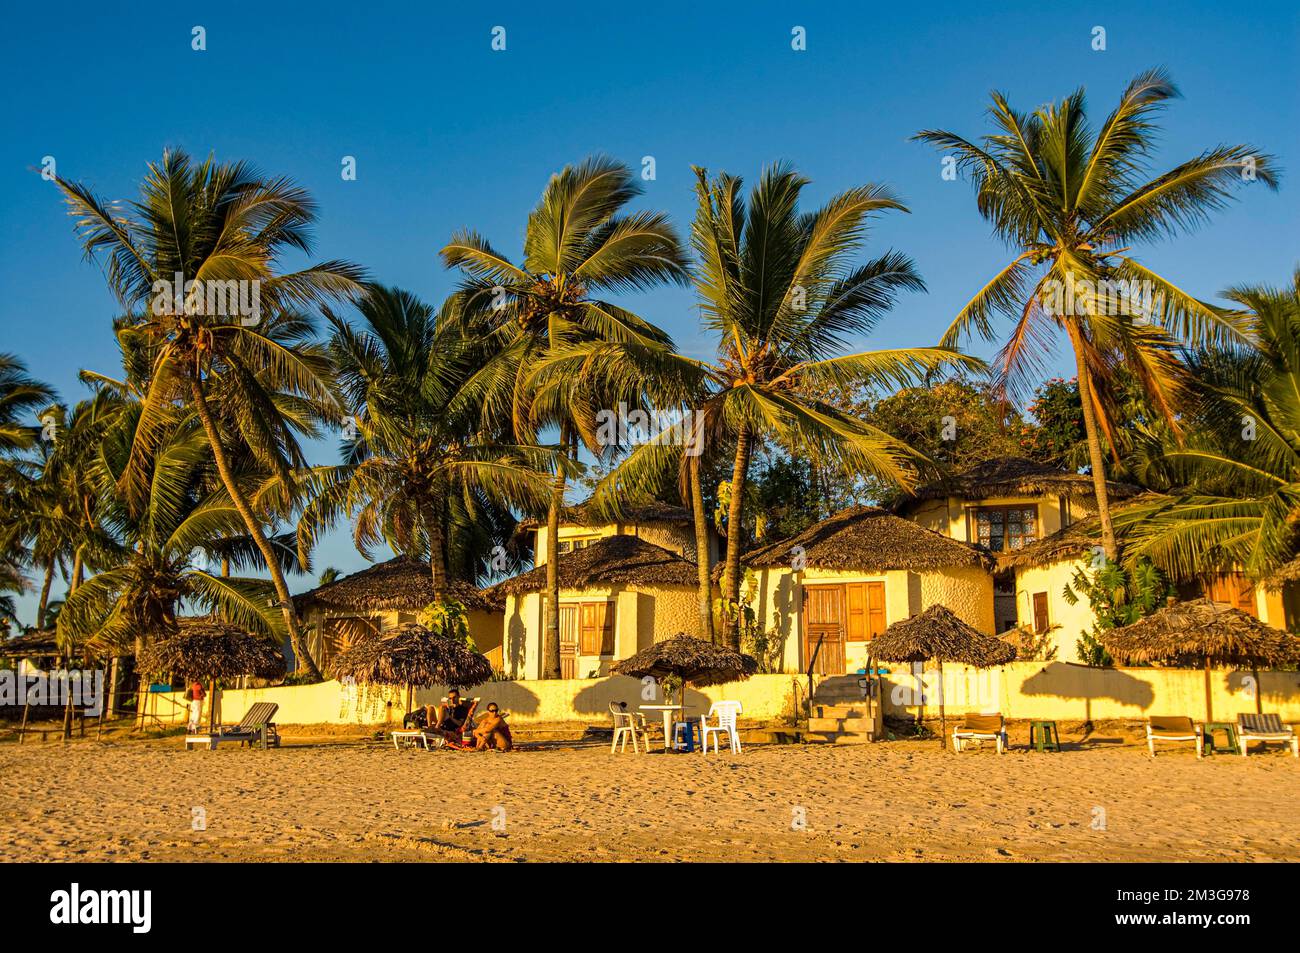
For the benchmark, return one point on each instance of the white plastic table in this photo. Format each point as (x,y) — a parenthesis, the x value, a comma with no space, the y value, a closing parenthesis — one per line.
(668,720)
(411,737)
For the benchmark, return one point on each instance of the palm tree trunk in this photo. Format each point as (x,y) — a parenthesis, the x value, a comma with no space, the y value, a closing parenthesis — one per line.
(702,566)
(67,705)
(43,605)
(254,527)
(735,517)
(1096,457)
(551,641)
(437,554)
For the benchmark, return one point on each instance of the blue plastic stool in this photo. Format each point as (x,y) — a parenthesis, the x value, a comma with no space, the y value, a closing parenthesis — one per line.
(691,730)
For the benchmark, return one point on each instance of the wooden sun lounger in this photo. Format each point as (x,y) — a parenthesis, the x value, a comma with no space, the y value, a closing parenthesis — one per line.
(1174,728)
(257,726)
(981,728)
(1265,728)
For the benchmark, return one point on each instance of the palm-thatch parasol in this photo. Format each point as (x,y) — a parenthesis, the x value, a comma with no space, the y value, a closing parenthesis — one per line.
(938,635)
(411,655)
(1201,631)
(690,659)
(205,649)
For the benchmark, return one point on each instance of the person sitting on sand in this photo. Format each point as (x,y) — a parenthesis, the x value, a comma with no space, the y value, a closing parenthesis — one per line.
(492,731)
(452,716)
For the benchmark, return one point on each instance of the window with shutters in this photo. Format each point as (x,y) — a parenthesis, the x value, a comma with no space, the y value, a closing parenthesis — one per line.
(596,621)
(865,610)
(1041,621)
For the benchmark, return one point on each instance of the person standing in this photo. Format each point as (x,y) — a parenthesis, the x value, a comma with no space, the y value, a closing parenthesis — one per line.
(195,696)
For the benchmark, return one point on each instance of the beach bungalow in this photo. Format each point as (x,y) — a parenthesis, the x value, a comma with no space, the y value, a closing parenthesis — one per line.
(1049,564)
(384,596)
(619,594)
(1007,505)
(826,592)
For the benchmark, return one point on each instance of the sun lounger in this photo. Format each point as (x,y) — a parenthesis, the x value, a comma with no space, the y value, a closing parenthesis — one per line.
(1265,728)
(256,726)
(1174,728)
(980,728)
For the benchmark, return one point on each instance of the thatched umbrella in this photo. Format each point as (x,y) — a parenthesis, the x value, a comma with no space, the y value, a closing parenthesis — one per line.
(206,649)
(937,634)
(411,655)
(690,659)
(1202,632)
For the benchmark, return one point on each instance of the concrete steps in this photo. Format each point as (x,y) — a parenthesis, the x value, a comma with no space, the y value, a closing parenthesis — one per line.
(839,714)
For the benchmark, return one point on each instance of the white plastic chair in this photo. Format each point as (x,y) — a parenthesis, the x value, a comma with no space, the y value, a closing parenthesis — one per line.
(628,724)
(726,713)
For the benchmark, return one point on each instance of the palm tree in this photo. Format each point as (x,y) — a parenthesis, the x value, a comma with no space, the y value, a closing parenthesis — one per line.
(1070,201)
(1240,469)
(165,537)
(416,473)
(19,395)
(197,228)
(779,288)
(53,519)
(579,245)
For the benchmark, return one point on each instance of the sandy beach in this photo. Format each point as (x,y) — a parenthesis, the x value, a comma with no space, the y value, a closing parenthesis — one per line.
(894,801)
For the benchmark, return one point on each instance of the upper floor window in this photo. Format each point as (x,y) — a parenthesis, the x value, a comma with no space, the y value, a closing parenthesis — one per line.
(569,545)
(1006,527)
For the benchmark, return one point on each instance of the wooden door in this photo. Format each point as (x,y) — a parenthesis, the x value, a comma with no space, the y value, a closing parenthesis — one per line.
(568,641)
(824,622)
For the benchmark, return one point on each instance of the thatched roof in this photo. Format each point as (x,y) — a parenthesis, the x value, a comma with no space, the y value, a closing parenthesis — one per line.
(1071,543)
(612,561)
(938,635)
(644,514)
(868,539)
(207,648)
(693,660)
(36,642)
(402,584)
(1289,572)
(411,655)
(1187,633)
(1015,476)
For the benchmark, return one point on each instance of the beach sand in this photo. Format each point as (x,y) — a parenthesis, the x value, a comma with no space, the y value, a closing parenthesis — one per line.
(901,800)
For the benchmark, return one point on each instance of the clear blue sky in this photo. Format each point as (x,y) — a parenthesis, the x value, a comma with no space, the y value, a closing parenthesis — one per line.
(447,132)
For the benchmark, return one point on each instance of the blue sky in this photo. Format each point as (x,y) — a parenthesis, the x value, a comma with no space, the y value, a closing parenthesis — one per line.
(447,132)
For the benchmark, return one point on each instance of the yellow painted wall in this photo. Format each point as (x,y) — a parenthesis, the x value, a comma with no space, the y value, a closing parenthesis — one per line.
(766,698)
(778,606)
(675,537)
(1068,692)
(1021,690)
(1068,621)
(949,516)
(485,628)
(642,616)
